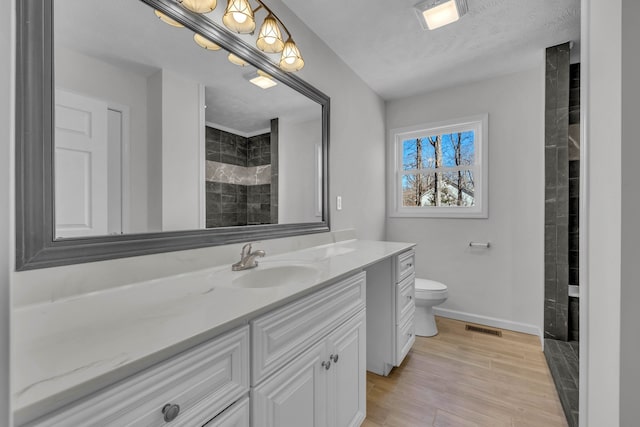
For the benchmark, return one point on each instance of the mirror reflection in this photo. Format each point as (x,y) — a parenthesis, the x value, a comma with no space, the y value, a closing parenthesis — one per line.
(158,131)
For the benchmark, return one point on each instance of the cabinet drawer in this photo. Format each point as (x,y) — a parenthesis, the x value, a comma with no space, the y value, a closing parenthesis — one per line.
(203,381)
(405,298)
(405,265)
(281,335)
(234,416)
(405,337)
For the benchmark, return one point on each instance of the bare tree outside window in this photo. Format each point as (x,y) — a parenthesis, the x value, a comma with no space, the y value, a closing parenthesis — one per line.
(439,170)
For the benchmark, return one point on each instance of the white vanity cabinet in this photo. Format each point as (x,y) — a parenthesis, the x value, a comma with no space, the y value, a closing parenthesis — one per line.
(391,296)
(188,390)
(235,416)
(309,361)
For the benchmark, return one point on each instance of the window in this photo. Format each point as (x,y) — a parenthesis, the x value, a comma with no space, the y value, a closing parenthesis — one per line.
(440,169)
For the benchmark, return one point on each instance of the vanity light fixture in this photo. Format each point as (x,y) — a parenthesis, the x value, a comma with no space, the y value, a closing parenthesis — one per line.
(164,18)
(270,38)
(261,79)
(434,14)
(205,43)
(199,6)
(291,59)
(236,60)
(239,17)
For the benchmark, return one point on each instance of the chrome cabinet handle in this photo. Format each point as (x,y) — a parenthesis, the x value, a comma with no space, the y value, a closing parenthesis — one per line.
(334,357)
(326,365)
(170,412)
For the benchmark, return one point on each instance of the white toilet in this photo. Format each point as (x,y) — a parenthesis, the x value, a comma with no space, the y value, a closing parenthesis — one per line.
(429,293)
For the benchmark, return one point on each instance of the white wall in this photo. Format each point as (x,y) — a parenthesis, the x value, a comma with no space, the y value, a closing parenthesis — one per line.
(181,157)
(505,282)
(603,88)
(92,77)
(296,180)
(154,152)
(630,292)
(6,201)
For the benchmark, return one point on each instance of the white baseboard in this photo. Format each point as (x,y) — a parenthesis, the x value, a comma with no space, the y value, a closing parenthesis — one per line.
(488,321)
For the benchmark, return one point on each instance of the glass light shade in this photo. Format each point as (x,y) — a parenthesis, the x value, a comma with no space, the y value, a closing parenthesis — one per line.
(199,6)
(270,38)
(205,43)
(263,74)
(238,17)
(235,60)
(164,18)
(291,60)
(441,15)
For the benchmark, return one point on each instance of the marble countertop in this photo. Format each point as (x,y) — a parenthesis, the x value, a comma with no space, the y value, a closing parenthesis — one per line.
(72,347)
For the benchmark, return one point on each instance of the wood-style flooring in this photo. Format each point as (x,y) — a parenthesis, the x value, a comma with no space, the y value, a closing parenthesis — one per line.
(461,378)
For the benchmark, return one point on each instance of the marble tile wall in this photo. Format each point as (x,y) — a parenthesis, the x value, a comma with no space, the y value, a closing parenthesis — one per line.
(237,170)
(574,198)
(556,248)
(274,171)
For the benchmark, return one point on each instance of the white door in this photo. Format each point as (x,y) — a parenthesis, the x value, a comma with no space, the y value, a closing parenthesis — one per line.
(80,165)
(347,381)
(296,395)
(114,174)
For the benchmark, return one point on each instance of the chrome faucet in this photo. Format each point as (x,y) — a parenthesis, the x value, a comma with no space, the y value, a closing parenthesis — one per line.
(247,258)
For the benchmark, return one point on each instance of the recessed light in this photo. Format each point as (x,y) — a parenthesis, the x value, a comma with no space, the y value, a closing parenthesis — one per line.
(261,79)
(434,14)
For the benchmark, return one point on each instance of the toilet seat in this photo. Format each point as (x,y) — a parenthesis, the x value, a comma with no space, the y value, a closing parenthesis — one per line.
(430,289)
(430,285)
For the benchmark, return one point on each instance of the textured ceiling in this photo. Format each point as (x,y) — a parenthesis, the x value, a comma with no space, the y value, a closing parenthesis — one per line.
(383,42)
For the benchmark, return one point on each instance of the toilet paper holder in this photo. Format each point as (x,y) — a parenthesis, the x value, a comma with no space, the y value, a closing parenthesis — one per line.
(485,245)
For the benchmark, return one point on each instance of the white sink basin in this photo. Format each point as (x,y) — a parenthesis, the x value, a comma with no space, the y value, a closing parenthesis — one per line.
(266,276)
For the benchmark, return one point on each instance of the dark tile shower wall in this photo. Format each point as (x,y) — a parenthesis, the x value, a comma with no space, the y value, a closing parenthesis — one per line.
(562,188)
(231,204)
(574,198)
(556,248)
(274,171)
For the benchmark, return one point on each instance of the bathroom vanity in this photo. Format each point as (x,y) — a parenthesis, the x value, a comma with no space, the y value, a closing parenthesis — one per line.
(282,344)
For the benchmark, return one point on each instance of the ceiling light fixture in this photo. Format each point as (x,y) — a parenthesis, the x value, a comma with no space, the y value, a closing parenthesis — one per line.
(261,79)
(434,14)
(239,17)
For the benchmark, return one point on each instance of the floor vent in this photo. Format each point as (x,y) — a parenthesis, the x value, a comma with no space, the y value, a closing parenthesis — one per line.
(483,330)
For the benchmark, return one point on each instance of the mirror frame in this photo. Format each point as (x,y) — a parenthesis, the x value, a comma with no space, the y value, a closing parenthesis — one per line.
(36,246)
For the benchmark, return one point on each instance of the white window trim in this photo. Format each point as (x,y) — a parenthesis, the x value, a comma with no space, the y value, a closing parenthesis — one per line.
(480,123)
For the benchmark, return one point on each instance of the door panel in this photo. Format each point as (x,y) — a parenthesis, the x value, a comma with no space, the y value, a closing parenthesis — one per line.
(295,396)
(80,165)
(347,387)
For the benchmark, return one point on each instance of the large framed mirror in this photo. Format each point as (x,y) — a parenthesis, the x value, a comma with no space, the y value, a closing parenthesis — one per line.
(136,137)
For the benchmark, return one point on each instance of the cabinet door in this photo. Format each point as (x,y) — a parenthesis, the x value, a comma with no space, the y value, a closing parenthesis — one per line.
(347,379)
(296,395)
